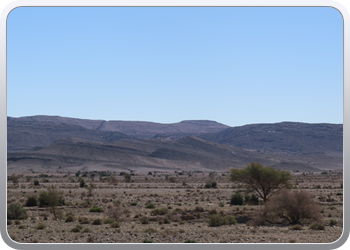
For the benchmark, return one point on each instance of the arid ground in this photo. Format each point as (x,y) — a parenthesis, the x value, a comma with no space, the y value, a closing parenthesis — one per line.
(163,207)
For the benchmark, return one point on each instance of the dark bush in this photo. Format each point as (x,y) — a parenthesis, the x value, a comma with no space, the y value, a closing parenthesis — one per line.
(251,199)
(31,201)
(36,183)
(190,241)
(16,212)
(199,209)
(211,184)
(236,199)
(97,221)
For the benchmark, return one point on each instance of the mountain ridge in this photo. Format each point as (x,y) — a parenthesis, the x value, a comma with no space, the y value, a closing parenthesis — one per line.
(45,141)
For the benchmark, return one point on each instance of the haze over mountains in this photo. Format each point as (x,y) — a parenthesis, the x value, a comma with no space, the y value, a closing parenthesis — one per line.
(48,142)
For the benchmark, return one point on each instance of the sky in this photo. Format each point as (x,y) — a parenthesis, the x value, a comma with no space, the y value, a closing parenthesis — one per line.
(233,65)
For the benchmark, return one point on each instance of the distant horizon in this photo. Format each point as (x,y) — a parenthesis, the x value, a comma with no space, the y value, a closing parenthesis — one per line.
(92,119)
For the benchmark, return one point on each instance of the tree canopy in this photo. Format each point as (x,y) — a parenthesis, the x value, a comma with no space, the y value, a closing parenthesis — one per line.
(264,181)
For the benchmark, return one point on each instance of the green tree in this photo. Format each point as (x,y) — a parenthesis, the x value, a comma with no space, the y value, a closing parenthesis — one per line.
(51,198)
(264,181)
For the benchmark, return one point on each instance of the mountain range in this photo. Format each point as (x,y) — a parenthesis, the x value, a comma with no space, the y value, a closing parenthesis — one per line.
(48,142)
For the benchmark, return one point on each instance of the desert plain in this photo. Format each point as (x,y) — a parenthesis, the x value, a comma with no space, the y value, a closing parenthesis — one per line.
(163,207)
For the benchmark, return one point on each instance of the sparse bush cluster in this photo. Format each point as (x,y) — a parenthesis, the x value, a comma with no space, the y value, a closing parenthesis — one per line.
(211,184)
(217,220)
(159,211)
(187,209)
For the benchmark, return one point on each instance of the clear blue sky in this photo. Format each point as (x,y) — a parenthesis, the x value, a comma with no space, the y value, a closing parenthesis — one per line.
(233,65)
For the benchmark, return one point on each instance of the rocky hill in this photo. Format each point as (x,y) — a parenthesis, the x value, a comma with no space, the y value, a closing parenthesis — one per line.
(39,131)
(289,137)
(44,142)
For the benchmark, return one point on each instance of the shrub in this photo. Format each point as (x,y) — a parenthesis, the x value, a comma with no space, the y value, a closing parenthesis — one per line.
(115,224)
(317,227)
(292,207)
(213,211)
(150,230)
(187,217)
(127,177)
(296,227)
(236,199)
(82,182)
(159,211)
(70,217)
(76,229)
(217,220)
(210,184)
(115,212)
(332,222)
(83,220)
(90,239)
(97,221)
(190,241)
(96,210)
(150,205)
(16,212)
(252,200)
(199,209)
(144,220)
(36,183)
(31,201)
(108,221)
(166,220)
(40,226)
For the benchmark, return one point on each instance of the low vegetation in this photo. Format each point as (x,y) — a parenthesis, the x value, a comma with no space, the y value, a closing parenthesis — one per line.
(151,208)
